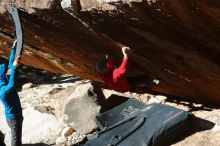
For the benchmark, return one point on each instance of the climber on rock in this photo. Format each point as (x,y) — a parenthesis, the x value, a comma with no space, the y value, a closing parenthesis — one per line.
(116,79)
(9,97)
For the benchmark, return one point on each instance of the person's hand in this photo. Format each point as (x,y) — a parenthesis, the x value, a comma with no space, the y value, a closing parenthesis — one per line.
(15,43)
(17,61)
(126,50)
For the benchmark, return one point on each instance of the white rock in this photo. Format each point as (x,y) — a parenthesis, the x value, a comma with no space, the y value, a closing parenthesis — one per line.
(65,4)
(153,100)
(80,109)
(60,141)
(216,128)
(161,98)
(27,86)
(39,127)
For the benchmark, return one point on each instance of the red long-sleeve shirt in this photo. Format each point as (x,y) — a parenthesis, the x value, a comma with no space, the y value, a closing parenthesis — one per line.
(116,80)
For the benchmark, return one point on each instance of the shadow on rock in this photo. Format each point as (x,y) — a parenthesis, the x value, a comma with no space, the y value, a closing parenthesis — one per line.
(110,102)
(2,137)
(39,77)
(193,106)
(198,125)
(201,124)
(113,101)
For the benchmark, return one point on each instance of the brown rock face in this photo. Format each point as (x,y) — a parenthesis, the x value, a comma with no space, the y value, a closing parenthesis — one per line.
(176,41)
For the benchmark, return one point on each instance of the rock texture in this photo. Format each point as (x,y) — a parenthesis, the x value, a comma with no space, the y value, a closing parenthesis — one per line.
(176,41)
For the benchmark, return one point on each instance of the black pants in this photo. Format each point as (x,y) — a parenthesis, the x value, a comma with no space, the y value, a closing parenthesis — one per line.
(140,82)
(16,130)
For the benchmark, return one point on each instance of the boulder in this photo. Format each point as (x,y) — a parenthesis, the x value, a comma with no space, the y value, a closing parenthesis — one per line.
(40,127)
(171,40)
(81,108)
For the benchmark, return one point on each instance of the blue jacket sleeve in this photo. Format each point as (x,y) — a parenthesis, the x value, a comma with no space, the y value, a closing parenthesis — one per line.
(11,82)
(12,56)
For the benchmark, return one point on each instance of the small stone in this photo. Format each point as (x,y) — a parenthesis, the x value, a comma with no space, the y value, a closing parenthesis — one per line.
(153,100)
(216,128)
(197,105)
(67,131)
(27,86)
(161,98)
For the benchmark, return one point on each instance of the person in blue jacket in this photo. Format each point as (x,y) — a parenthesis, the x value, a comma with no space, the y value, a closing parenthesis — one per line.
(10,99)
